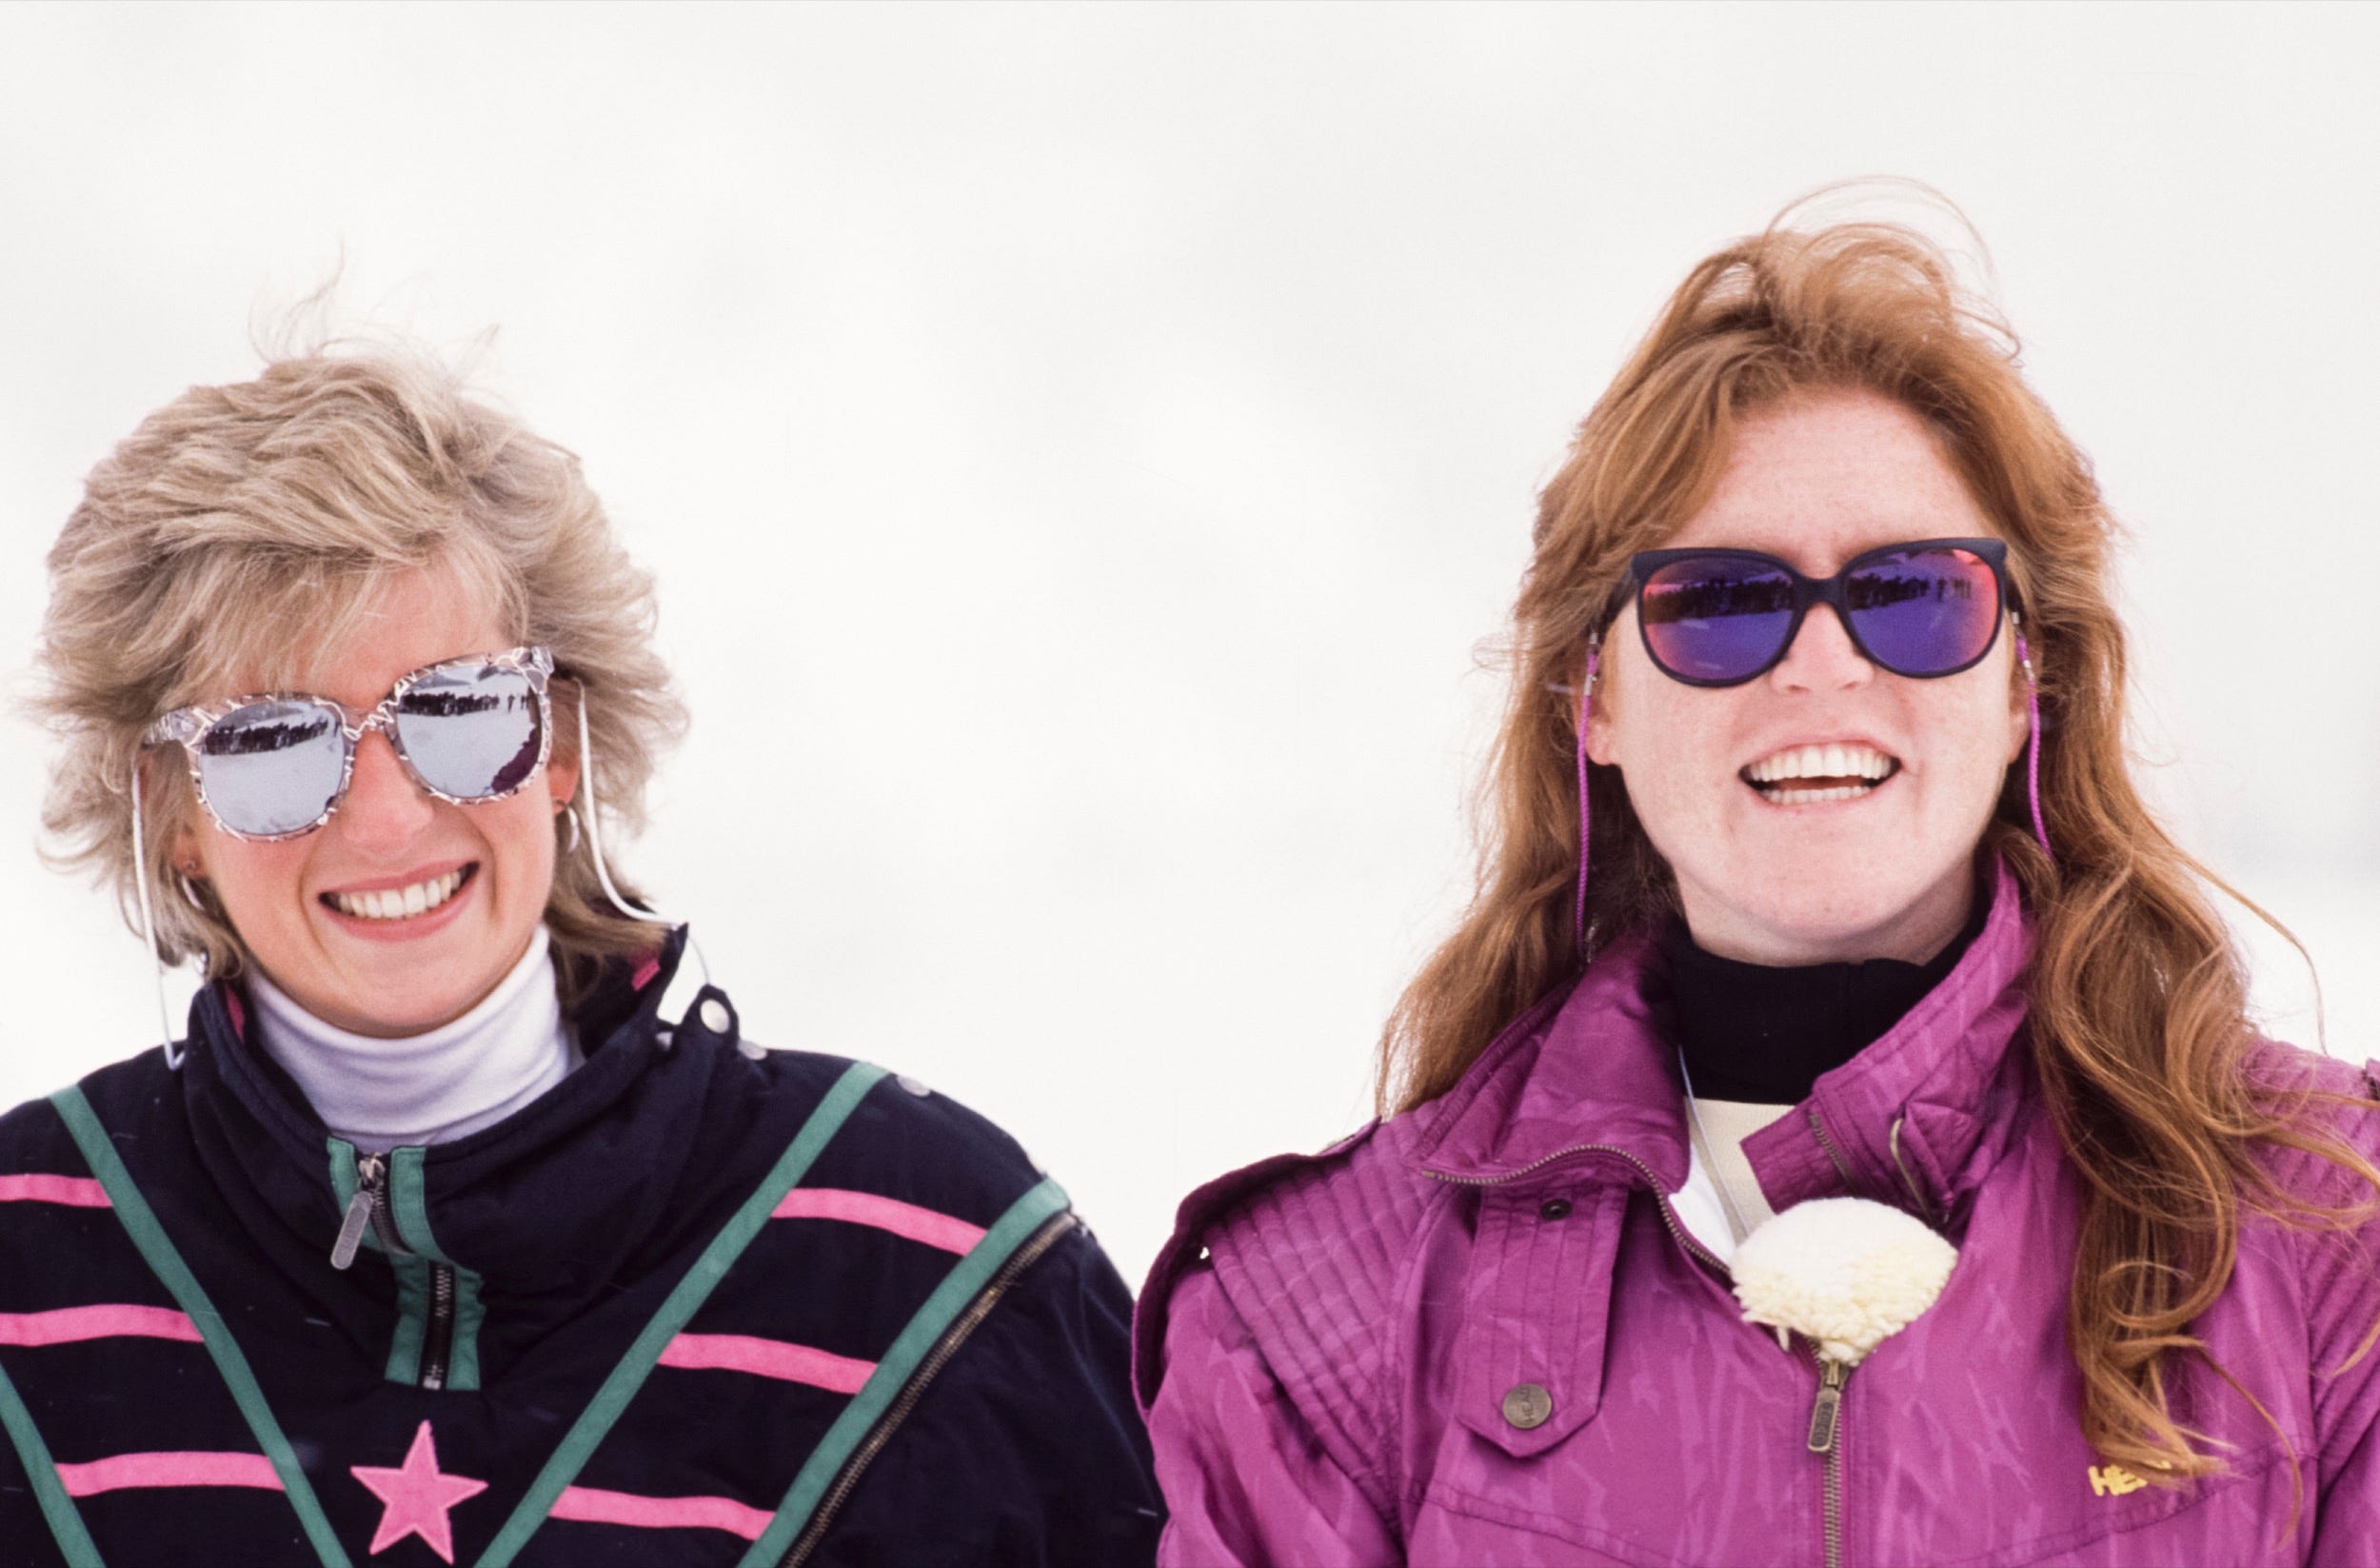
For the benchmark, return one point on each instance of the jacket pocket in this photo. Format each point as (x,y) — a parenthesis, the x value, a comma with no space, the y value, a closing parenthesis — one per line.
(1536,1302)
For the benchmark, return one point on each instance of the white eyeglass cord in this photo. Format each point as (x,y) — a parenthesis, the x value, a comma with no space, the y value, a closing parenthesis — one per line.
(587,819)
(149,924)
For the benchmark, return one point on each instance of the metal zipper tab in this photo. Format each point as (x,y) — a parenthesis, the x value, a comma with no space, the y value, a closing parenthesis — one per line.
(368,1206)
(352,1229)
(1824,1414)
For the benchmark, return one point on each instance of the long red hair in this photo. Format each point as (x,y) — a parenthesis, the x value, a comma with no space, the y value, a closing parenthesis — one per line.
(2139,1025)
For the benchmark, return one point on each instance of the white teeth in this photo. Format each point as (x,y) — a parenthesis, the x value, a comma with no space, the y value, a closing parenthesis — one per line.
(1817,797)
(1822,762)
(399,904)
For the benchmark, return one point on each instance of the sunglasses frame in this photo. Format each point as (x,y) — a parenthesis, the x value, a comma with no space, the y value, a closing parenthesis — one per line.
(188,727)
(1817,590)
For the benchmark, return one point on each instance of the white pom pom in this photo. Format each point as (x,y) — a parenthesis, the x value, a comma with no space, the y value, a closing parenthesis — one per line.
(1844,1271)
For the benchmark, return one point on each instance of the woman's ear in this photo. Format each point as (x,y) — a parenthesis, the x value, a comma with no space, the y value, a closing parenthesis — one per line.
(1599,749)
(562,776)
(1598,704)
(2020,709)
(183,852)
(562,762)
(182,834)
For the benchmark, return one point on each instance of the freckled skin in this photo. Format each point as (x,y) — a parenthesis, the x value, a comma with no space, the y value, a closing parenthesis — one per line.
(1816,481)
(389,826)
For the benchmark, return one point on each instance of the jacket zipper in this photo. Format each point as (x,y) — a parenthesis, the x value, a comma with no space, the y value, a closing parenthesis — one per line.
(1826,1431)
(1826,1411)
(914,1390)
(438,1338)
(369,1206)
(1826,1142)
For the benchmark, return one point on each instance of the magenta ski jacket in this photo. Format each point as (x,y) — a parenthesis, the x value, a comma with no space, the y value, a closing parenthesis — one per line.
(1478,1333)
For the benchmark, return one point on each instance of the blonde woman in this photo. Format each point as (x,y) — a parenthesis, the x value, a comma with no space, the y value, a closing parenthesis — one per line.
(432,1236)
(1834,1133)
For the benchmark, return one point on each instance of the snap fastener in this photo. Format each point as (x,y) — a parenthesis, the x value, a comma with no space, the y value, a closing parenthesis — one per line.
(714,1016)
(1553,1209)
(1527,1405)
(752,1052)
(911,1085)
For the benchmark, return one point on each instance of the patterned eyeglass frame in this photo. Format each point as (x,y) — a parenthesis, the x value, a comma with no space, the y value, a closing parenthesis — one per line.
(188,727)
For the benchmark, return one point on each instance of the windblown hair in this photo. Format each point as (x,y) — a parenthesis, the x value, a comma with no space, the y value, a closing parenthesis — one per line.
(241,531)
(2159,1085)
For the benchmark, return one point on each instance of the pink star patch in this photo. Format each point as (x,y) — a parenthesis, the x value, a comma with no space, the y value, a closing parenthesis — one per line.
(417,1496)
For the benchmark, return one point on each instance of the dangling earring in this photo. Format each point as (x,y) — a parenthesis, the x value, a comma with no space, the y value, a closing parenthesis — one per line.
(2032,739)
(1586,695)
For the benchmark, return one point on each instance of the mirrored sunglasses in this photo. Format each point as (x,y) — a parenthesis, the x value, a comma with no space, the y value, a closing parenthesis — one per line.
(1720,617)
(275,766)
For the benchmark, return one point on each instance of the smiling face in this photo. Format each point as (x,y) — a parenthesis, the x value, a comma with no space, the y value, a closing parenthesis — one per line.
(324,914)
(1809,872)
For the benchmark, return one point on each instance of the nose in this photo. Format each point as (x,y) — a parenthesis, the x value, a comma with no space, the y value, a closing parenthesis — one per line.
(385,809)
(1822,656)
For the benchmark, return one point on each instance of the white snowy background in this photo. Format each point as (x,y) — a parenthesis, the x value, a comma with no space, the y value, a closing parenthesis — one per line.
(1081,448)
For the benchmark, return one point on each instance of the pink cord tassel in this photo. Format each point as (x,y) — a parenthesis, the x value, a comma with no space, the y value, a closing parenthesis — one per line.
(2032,748)
(1586,694)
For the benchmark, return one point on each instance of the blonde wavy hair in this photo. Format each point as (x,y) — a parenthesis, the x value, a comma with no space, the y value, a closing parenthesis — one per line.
(242,529)
(2161,1092)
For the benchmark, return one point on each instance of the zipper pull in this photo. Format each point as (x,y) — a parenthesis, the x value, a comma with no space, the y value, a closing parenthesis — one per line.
(370,1170)
(352,1229)
(1832,1377)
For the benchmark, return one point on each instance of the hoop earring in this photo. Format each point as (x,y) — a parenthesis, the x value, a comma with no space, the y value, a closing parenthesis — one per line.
(1586,695)
(572,818)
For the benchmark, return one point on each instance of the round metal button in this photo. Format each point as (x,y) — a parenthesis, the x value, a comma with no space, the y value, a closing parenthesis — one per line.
(1527,1405)
(714,1016)
(752,1052)
(1553,1209)
(911,1085)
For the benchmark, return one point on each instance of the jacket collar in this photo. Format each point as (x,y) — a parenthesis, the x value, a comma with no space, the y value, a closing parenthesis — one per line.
(1590,1075)
(530,1203)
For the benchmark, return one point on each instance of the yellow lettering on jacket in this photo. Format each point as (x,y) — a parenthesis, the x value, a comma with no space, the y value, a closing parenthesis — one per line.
(2113,1480)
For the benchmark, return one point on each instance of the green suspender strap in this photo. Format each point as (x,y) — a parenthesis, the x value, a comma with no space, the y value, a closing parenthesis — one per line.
(963,1286)
(140,1222)
(595,1421)
(66,1522)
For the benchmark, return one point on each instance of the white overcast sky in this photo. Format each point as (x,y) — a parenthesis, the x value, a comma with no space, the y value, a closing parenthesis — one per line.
(1082,447)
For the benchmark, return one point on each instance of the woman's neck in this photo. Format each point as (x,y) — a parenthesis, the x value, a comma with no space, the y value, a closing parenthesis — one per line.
(431,1087)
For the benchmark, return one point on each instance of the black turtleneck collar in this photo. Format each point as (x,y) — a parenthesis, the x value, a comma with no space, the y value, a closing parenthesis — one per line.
(1760,1033)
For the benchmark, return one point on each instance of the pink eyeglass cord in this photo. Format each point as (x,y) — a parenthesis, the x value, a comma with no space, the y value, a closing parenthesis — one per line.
(1586,693)
(2032,741)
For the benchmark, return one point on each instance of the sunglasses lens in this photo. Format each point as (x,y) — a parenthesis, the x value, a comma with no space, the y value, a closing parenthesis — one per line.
(1716,618)
(1928,612)
(471,730)
(271,767)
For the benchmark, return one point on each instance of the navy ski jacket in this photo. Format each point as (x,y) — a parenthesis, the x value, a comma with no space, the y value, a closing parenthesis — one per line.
(702,1304)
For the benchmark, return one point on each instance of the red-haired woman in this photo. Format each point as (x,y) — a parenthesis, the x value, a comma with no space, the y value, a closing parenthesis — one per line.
(1862,1155)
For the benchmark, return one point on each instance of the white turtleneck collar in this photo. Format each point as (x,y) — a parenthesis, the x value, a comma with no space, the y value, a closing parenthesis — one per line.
(425,1088)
